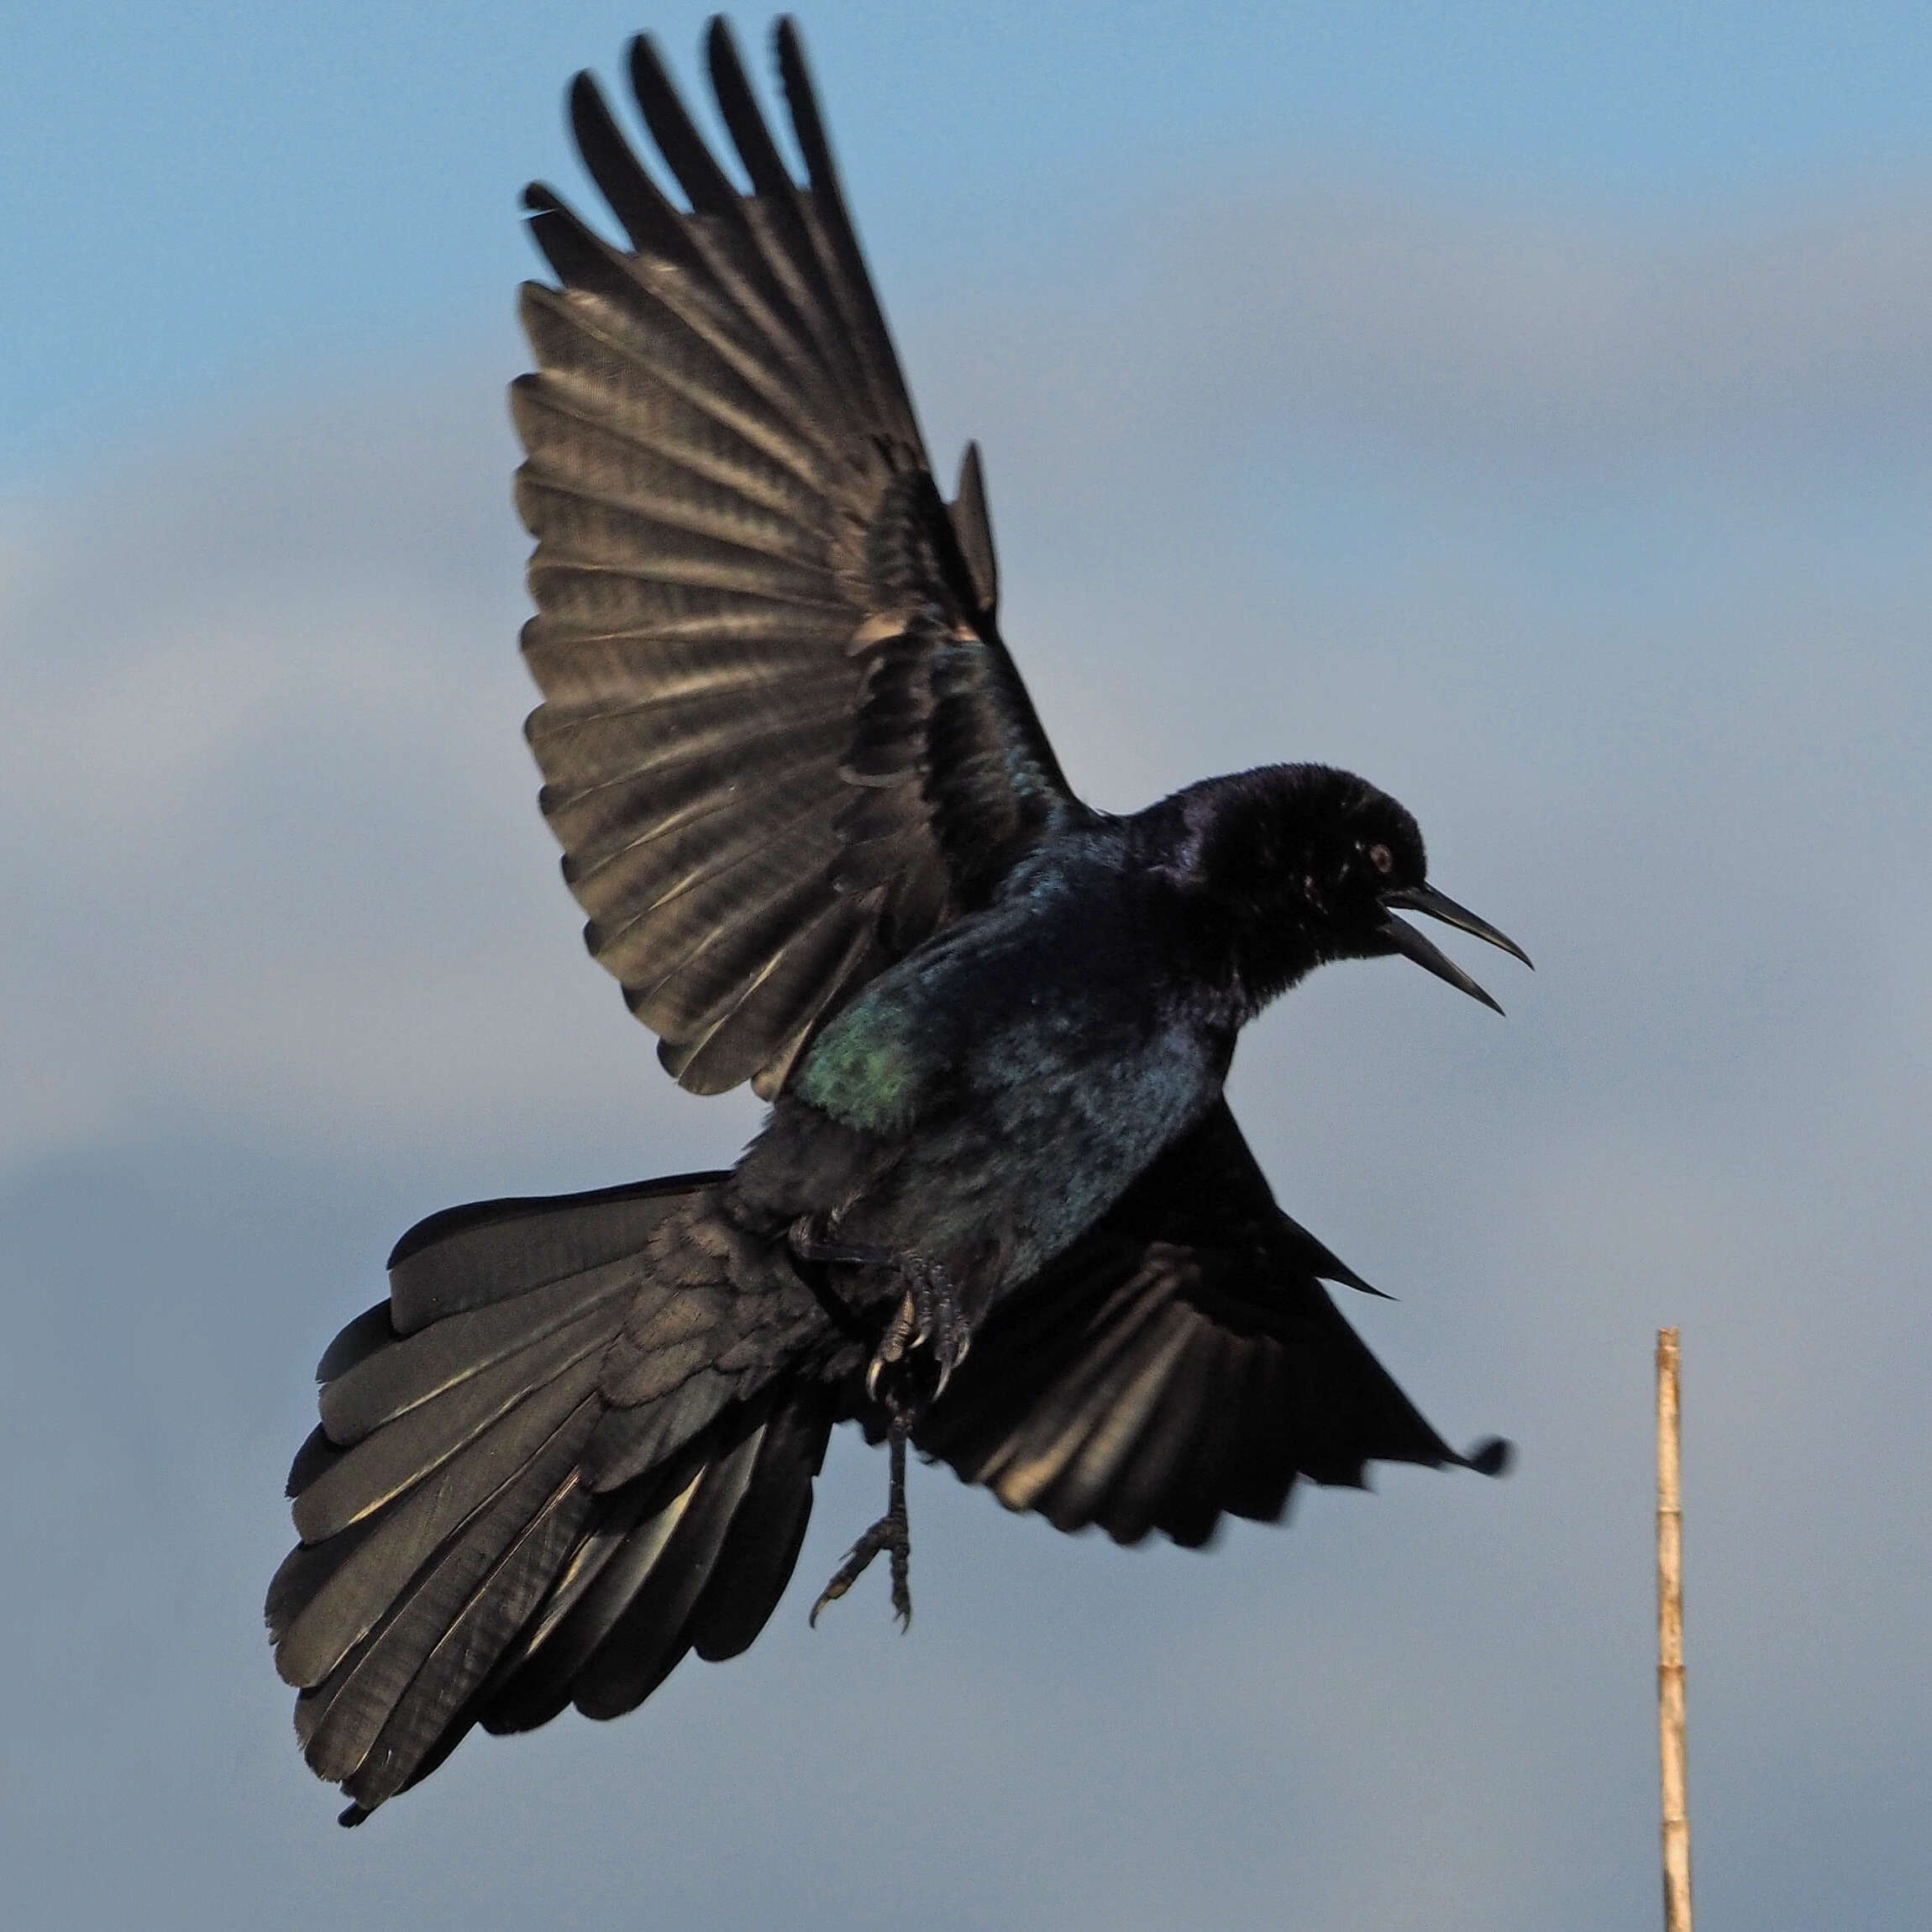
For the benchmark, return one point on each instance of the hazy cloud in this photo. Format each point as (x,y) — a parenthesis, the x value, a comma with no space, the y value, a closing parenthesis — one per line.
(1603,546)
(1491,331)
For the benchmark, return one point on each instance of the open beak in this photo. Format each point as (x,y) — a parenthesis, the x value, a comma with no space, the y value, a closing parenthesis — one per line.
(1405,939)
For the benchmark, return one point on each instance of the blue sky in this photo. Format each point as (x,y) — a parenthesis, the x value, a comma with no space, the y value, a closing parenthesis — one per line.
(207,200)
(1529,408)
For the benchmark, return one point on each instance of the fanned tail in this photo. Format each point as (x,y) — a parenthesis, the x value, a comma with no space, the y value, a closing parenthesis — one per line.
(575,1443)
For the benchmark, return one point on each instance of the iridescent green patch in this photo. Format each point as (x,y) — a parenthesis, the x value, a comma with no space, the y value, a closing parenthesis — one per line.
(871,1067)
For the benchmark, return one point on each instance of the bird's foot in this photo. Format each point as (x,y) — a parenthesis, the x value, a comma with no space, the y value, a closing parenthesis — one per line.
(929,1317)
(892,1533)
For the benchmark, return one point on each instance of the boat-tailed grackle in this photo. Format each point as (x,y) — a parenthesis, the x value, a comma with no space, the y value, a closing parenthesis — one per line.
(1000,1209)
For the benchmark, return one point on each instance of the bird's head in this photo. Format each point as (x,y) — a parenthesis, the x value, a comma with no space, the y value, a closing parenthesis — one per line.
(1314,864)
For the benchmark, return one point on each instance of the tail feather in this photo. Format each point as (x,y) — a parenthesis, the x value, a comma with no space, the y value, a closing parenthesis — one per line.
(368,1689)
(635,1526)
(432,1361)
(387,1463)
(649,1637)
(579,1442)
(354,1596)
(768,1526)
(304,1572)
(489,1251)
(370,1331)
(468,1649)
(574,1445)
(632,1441)
(317,1454)
(646,1534)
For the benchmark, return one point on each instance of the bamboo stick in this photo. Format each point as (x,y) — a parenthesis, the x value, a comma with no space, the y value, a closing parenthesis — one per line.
(1671,1644)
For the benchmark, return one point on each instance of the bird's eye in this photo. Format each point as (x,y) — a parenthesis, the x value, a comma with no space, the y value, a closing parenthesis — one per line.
(1382,858)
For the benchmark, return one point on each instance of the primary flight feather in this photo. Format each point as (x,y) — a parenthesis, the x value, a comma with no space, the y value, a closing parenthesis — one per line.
(1000,1209)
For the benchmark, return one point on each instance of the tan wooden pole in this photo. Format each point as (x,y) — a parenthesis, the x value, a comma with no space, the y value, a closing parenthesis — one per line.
(1671,1644)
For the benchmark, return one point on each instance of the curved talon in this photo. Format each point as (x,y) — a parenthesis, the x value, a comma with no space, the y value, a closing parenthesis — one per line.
(942,1326)
(928,1315)
(958,1341)
(859,1560)
(898,1336)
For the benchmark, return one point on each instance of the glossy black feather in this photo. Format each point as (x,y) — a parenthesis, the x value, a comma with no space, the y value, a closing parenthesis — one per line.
(423,1436)
(755,1561)
(359,1699)
(355,1595)
(974,522)
(439,1694)
(421,1369)
(590,1597)
(368,1332)
(469,1256)
(649,1637)
(653,225)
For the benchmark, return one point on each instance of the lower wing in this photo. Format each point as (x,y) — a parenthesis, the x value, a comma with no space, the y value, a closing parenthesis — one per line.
(1184,1360)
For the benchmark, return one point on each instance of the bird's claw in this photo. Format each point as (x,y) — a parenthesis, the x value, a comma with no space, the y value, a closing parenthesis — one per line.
(887,1534)
(892,1533)
(928,1317)
(902,1333)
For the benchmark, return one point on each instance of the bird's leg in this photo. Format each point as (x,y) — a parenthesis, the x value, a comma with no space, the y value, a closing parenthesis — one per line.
(928,1316)
(891,1533)
(810,1240)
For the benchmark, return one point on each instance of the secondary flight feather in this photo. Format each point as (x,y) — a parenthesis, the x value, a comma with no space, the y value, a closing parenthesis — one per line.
(999,1211)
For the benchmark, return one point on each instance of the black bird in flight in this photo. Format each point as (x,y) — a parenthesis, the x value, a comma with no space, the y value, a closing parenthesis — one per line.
(1000,1209)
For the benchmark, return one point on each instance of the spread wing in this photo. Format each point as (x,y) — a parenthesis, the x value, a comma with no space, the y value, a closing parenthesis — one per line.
(1182,1360)
(781,740)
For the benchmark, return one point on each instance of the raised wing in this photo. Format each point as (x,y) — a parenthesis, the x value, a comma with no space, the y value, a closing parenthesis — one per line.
(781,740)
(1182,1360)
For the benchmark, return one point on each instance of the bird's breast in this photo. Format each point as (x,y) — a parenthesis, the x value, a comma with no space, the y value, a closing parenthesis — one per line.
(1015,1075)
